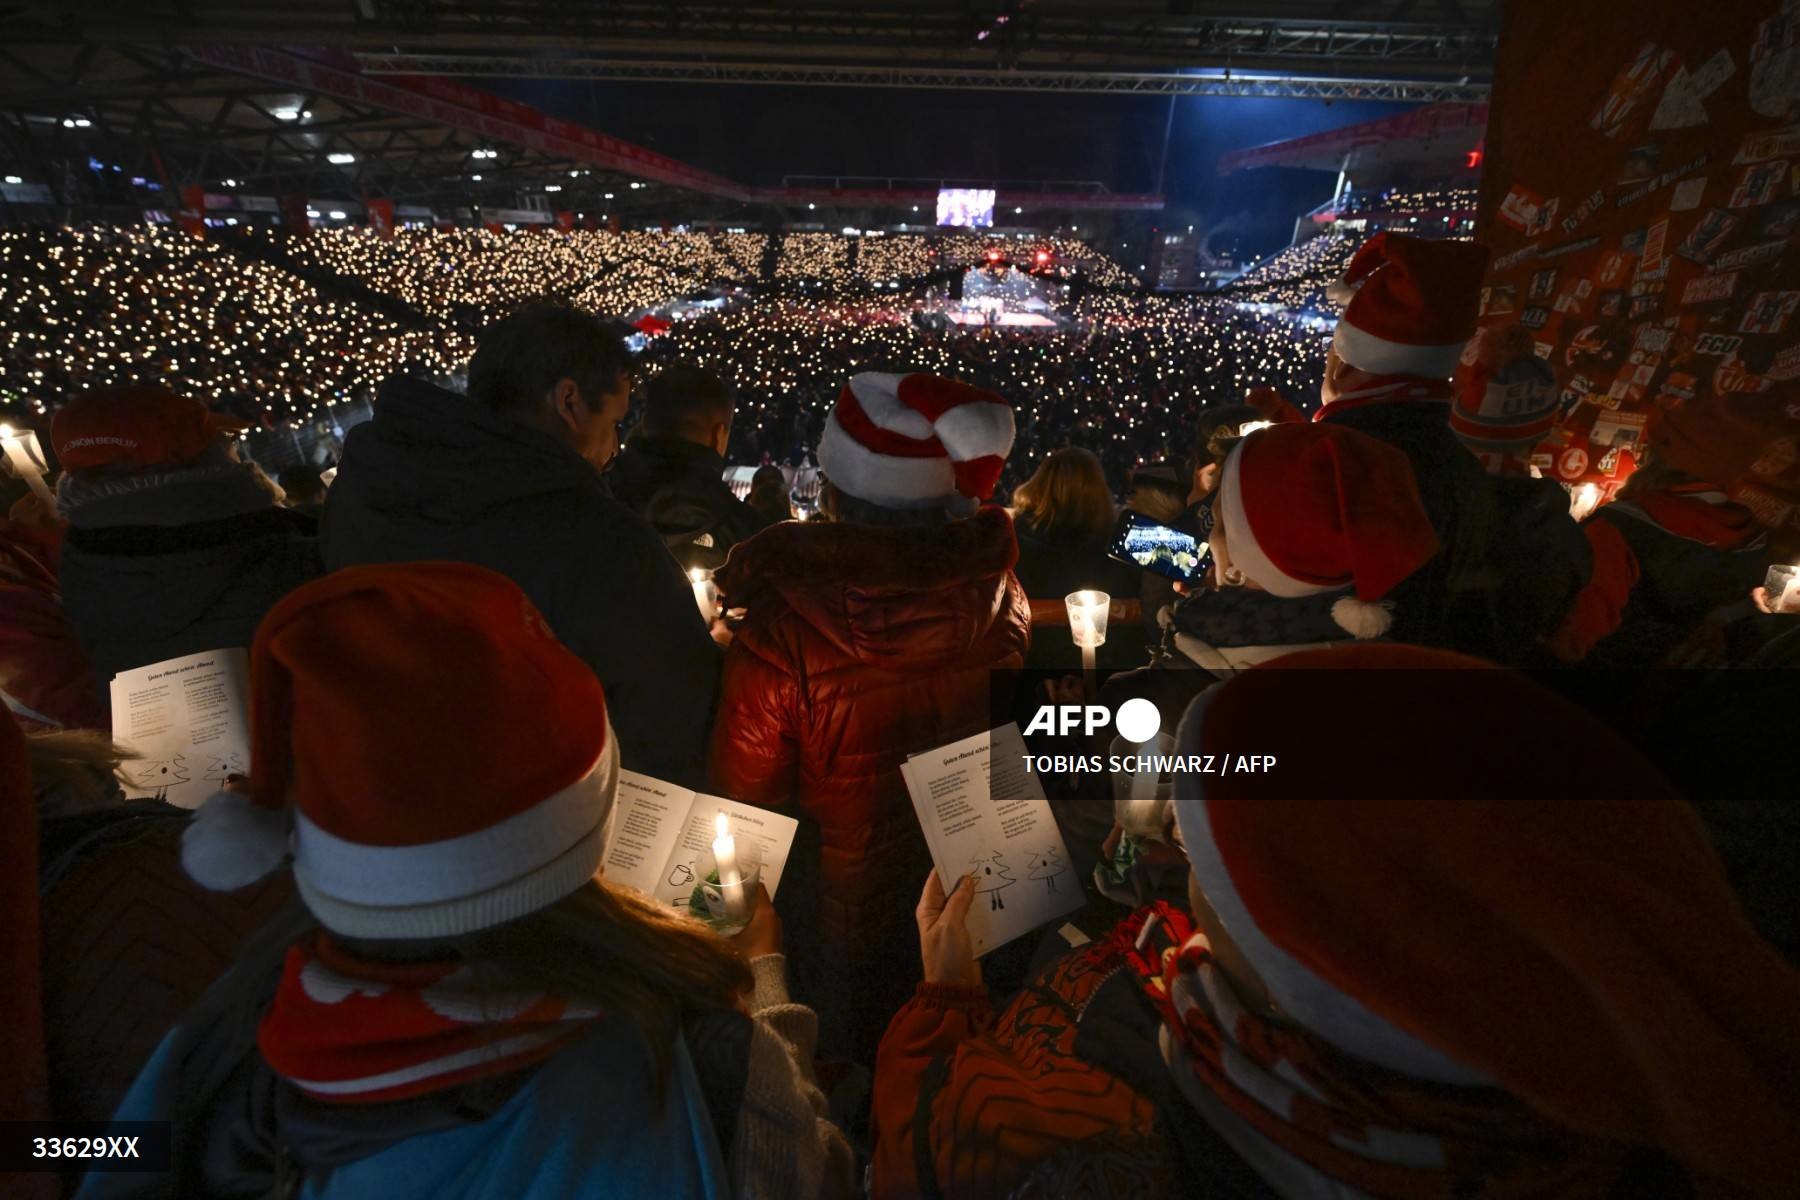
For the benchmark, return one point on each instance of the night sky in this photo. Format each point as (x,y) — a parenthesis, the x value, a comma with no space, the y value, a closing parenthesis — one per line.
(759,134)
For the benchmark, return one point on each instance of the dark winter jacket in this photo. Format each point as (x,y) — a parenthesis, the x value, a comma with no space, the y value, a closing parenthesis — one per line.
(1662,562)
(679,487)
(438,476)
(138,594)
(1449,603)
(862,646)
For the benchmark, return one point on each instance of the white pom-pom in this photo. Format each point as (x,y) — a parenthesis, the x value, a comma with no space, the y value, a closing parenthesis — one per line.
(1362,618)
(233,842)
(1339,291)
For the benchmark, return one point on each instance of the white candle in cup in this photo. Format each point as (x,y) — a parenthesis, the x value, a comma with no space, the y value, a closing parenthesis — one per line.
(1088,610)
(25,458)
(706,593)
(725,853)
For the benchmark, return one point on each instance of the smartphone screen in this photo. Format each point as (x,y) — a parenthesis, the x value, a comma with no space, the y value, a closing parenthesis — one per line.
(1161,548)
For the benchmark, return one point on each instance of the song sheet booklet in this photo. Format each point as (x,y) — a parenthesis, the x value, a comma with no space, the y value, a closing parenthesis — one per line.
(662,835)
(189,720)
(984,812)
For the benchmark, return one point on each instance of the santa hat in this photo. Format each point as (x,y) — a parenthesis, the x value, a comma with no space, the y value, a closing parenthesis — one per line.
(1422,905)
(915,441)
(436,759)
(1313,508)
(1506,396)
(1410,305)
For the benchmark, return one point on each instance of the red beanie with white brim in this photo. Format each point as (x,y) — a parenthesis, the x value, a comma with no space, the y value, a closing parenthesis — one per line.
(1568,936)
(915,441)
(435,759)
(1308,509)
(1410,305)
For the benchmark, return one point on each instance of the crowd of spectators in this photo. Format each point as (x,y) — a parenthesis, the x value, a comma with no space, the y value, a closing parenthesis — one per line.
(1441,940)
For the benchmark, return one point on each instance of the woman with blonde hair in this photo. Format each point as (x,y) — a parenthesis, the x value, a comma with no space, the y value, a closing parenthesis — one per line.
(464,1008)
(1063,516)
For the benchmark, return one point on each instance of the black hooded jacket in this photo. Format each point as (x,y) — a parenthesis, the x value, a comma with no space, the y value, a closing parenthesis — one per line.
(437,476)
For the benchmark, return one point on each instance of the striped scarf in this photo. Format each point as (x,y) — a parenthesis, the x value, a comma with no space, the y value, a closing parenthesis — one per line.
(347,1031)
(1313,1121)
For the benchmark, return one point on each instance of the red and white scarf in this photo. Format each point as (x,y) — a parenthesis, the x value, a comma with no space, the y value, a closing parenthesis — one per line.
(348,1031)
(1313,1120)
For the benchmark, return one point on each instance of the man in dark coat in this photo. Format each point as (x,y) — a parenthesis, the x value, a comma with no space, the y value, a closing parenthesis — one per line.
(175,546)
(672,471)
(509,477)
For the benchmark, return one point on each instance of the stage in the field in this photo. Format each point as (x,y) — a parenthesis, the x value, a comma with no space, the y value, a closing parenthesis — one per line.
(1008,319)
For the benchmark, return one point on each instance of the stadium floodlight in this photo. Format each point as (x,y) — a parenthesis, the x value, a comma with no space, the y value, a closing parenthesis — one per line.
(340,159)
(313,213)
(553,187)
(338,214)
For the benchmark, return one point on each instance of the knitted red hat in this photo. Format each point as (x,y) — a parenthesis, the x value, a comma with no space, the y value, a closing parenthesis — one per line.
(1312,508)
(440,762)
(135,426)
(915,441)
(1506,397)
(1566,934)
(1410,305)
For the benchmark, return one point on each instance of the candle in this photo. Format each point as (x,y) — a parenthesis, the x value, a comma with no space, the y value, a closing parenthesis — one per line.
(725,854)
(26,461)
(1584,498)
(1088,610)
(706,593)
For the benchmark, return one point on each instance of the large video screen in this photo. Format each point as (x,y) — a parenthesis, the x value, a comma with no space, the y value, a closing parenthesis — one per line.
(965,206)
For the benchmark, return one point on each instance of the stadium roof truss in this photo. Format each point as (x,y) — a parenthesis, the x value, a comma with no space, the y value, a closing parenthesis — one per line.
(163,114)
(827,75)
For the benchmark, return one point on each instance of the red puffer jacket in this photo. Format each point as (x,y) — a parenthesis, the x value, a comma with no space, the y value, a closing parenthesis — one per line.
(862,645)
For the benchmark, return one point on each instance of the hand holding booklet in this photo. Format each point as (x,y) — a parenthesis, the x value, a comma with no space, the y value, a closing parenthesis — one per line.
(984,813)
(662,836)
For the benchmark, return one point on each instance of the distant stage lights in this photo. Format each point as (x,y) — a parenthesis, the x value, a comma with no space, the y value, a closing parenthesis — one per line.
(553,187)
(340,159)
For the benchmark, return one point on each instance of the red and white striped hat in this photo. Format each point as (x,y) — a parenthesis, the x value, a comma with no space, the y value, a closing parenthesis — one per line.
(1312,508)
(435,759)
(1506,396)
(915,441)
(1409,305)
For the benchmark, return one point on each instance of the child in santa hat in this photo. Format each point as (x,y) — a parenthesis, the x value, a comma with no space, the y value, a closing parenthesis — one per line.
(868,638)
(463,1008)
(1400,974)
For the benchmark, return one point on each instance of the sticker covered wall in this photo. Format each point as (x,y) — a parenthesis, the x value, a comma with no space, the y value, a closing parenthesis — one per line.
(1642,198)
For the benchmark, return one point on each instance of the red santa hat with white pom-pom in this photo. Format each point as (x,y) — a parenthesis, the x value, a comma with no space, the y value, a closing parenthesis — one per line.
(916,441)
(1410,305)
(433,758)
(1308,509)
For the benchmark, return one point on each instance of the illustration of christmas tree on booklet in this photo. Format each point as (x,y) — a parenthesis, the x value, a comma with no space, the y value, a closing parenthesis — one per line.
(1046,865)
(992,876)
(158,775)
